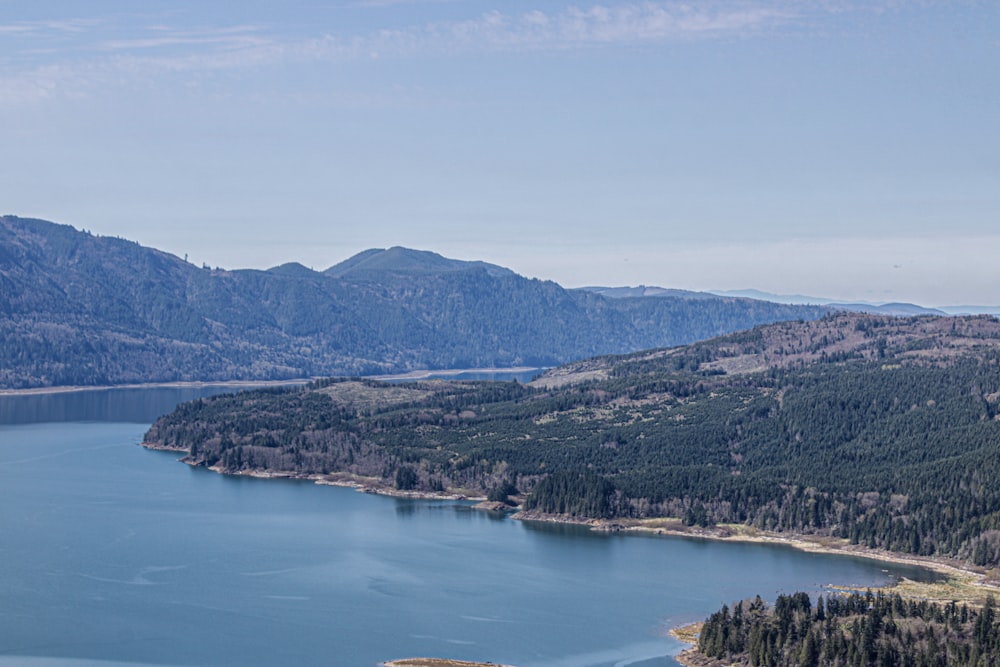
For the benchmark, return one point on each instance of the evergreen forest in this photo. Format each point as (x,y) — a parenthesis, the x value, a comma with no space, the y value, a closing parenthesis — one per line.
(882,431)
(855,630)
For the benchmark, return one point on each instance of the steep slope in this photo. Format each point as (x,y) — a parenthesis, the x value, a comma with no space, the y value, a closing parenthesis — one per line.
(88,310)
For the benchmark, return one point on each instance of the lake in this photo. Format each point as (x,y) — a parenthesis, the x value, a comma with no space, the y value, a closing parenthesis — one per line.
(114,554)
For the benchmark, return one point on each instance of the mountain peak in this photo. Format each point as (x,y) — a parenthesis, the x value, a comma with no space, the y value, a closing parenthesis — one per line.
(398,259)
(293,270)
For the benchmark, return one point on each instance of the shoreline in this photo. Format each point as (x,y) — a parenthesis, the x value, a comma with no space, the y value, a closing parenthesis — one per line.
(957,576)
(179,384)
(960,581)
(437,662)
(360,484)
(672,527)
(450,372)
(252,384)
(689,656)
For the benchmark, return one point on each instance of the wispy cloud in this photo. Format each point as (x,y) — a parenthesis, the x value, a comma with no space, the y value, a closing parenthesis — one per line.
(580,27)
(242,36)
(42,27)
(97,56)
(616,25)
(391,3)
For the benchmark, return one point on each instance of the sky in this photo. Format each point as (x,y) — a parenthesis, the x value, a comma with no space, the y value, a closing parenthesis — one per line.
(835,148)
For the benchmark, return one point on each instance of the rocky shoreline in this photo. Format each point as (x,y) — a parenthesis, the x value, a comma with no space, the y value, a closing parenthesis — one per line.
(972,579)
(961,582)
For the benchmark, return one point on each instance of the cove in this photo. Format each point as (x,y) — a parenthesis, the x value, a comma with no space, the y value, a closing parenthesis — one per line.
(112,553)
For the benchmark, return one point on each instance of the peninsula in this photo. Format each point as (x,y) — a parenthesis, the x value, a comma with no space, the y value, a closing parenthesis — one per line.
(865,430)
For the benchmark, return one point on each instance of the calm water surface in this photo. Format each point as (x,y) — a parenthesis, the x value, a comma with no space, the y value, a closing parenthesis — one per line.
(111,553)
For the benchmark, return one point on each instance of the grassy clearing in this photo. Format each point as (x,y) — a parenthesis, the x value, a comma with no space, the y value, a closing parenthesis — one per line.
(962,589)
(687,633)
(363,397)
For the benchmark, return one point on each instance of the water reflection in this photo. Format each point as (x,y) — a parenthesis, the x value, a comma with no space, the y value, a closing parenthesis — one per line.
(135,406)
(563,530)
(493,515)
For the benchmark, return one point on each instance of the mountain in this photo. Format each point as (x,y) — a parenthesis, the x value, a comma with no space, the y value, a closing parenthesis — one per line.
(378,262)
(902,309)
(293,270)
(79,309)
(971,310)
(896,309)
(643,290)
(882,431)
(775,298)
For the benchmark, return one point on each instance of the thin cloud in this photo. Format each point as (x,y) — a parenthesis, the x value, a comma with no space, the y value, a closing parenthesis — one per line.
(391,3)
(32,28)
(232,36)
(161,48)
(598,25)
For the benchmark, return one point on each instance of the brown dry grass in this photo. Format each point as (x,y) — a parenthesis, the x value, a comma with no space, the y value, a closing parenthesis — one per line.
(362,397)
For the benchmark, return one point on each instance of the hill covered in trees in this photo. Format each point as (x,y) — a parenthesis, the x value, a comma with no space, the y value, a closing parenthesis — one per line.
(846,630)
(78,309)
(879,430)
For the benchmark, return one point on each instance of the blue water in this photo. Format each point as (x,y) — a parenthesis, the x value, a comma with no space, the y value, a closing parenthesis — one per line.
(112,553)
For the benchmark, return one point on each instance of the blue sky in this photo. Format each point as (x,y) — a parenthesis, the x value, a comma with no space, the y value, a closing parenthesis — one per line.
(836,148)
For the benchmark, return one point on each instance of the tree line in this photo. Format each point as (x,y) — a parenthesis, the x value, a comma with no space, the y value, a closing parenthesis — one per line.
(855,630)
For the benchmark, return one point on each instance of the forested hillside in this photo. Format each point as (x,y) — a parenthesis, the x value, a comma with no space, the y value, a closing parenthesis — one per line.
(880,430)
(856,629)
(78,309)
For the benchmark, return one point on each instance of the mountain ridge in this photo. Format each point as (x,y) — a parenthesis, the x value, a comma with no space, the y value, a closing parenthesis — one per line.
(884,308)
(80,309)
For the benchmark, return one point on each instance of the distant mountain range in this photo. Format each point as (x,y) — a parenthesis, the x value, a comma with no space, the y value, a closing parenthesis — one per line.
(904,309)
(895,309)
(79,309)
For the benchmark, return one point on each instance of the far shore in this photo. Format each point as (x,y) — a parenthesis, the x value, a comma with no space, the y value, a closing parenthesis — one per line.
(438,662)
(449,372)
(195,384)
(251,384)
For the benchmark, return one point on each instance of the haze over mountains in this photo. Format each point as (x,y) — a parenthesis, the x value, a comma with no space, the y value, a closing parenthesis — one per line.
(891,308)
(78,309)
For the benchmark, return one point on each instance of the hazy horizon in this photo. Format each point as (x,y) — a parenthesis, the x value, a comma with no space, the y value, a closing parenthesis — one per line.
(746,291)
